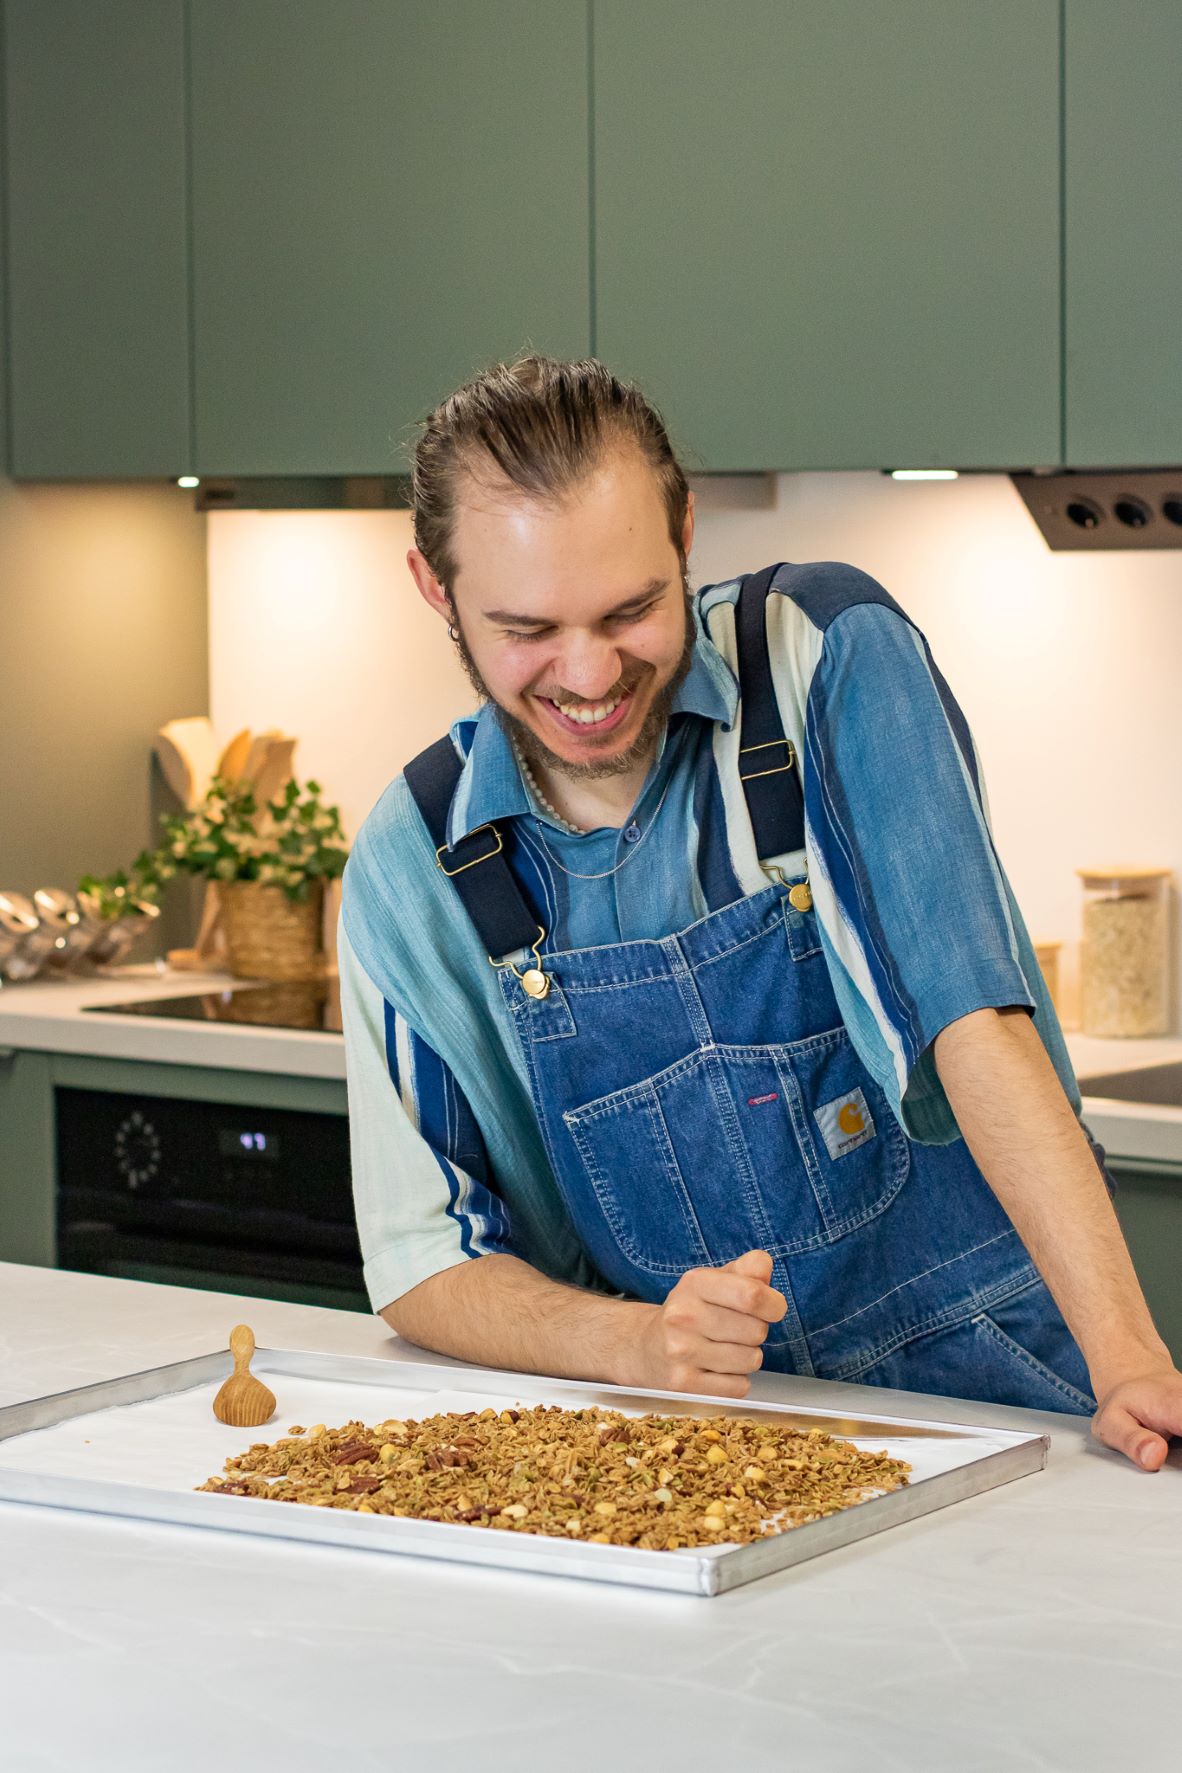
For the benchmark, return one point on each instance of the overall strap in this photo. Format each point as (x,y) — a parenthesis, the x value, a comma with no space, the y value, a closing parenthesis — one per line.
(476,866)
(768,764)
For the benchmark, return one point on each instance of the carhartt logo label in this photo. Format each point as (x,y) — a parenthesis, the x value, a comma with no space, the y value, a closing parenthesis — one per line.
(845,1123)
(758,1101)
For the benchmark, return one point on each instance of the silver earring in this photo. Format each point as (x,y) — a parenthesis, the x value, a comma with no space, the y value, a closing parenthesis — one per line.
(451,633)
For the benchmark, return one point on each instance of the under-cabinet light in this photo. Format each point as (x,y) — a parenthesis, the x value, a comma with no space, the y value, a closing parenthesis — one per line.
(923,473)
(188,480)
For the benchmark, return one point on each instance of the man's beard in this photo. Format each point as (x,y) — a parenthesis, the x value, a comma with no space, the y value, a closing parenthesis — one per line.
(536,753)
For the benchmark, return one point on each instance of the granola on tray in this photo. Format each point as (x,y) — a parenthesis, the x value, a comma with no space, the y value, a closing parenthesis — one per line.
(659,1482)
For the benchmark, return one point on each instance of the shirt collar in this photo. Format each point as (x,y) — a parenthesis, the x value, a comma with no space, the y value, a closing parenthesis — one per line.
(490,785)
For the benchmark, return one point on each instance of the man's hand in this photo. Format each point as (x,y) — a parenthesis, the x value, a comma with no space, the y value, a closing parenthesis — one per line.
(1138,1415)
(708,1335)
(1036,1158)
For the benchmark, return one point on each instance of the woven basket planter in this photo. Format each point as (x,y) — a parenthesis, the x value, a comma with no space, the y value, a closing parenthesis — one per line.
(270,936)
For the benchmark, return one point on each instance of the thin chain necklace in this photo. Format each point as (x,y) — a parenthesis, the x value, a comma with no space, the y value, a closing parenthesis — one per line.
(579,831)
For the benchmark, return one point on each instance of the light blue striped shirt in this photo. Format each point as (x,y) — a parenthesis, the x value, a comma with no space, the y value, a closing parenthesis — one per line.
(918,923)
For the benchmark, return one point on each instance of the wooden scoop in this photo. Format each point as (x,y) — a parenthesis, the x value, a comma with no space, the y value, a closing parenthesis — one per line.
(243,1401)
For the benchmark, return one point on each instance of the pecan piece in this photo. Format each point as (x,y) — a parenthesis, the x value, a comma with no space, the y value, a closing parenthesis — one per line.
(352,1451)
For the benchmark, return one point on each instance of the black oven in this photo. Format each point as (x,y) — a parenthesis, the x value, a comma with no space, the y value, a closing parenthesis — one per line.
(207,1194)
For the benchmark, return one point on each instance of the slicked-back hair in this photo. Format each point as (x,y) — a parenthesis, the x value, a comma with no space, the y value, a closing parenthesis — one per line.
(538,426)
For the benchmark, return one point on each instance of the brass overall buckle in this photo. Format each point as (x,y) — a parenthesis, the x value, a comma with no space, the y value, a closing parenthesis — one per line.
(800,896)
(476,860)
(533,981)
(776,769)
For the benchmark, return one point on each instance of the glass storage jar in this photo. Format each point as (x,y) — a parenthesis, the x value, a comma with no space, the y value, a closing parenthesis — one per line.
(1047,955)
(1124,961)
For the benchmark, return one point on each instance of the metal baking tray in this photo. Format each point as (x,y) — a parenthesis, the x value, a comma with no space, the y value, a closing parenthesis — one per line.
(137,1446)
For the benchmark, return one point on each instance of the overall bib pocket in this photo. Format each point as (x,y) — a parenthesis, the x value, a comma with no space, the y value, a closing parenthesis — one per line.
(784,1148)
(856,1153)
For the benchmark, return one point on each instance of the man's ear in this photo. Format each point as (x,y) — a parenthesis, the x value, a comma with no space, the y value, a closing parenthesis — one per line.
(687,528)
(430,590)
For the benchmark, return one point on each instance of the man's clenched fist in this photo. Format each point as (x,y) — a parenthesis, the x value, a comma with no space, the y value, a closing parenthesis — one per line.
(708,1335)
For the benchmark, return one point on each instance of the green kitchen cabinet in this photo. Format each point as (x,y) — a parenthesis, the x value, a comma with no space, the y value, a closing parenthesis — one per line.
(828,236)
(386,197)
(27,1161)
(1149,1207)
(1123,233)
(97,248)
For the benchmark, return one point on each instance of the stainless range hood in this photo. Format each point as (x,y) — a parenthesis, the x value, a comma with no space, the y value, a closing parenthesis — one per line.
(1098,509)
(388,492)
(1105,509)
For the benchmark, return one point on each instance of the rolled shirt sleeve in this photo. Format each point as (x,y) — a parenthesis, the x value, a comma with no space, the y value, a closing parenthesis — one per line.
(918,921)
(421,1184)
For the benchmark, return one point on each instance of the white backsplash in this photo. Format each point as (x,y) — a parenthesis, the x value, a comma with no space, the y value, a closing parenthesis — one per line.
(1066,665)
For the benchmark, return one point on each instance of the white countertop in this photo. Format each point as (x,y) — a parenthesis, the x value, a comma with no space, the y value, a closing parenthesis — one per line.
(1128,1129)
(1036,1626)
(48,1015)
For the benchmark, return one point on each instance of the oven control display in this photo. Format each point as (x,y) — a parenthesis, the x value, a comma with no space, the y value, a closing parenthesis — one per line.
(137,1150)
(248,1142)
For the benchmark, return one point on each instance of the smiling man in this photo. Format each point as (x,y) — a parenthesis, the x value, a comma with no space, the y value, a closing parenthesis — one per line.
(691,1023)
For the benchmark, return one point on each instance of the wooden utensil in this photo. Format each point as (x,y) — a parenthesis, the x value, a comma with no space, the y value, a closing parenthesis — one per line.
(243,1400)
(232,761)
(188,755)
(271,769)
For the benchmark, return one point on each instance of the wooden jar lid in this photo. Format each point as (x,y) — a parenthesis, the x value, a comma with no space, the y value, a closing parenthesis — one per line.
(1123,873)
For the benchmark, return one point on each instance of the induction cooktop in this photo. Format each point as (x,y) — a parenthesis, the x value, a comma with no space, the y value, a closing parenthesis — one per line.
(1158,1085)
(312,1004)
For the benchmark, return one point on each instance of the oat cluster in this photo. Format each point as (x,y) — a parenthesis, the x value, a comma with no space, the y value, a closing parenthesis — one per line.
(658,1482)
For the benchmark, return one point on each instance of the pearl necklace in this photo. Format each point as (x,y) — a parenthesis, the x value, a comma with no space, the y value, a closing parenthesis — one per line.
(571,830)
(578,830)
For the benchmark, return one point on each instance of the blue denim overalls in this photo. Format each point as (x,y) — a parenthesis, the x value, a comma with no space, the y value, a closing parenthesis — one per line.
(699,1096)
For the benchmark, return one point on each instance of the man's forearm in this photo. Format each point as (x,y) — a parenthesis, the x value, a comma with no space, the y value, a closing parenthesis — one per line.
(497,1311)
(1025,1138)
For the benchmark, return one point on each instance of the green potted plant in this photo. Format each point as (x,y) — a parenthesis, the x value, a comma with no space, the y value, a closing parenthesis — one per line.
(269,861)
(123,905)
